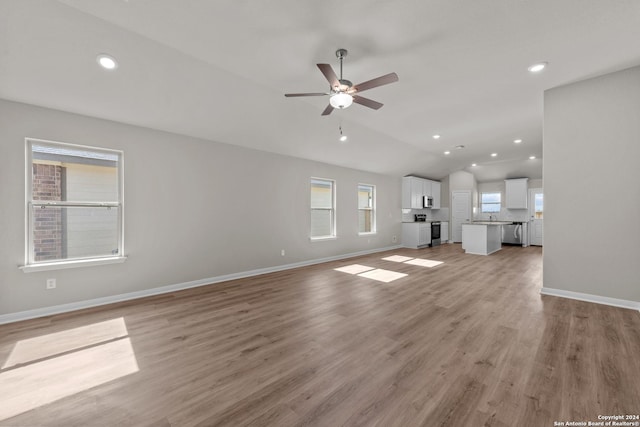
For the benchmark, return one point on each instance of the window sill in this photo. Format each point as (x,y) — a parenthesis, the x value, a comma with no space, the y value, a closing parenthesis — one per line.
(320,239)
(60,265)
(371,233)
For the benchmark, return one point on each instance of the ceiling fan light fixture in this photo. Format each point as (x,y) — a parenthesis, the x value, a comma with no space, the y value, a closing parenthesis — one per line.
(341,100)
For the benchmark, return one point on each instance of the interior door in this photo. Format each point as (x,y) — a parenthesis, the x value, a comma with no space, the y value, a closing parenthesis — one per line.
(536,216)
(461,212)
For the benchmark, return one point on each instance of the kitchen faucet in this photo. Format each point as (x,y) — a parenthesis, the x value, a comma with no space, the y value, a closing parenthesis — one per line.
(490,217)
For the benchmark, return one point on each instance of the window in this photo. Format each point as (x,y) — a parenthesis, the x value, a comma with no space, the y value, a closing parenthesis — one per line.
(539,205)
(74,203)
(323,206)
(490,202)
(366,209)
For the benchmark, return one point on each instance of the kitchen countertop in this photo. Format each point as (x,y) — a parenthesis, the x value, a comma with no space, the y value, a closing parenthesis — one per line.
(420,222)
(488,223)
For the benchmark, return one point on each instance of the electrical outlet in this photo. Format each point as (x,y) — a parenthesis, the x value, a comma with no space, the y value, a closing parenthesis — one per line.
(394,239)
(51,283)
(282,252)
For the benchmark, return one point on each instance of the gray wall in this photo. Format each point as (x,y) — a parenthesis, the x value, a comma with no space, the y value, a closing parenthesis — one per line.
(194,209)
(592,186)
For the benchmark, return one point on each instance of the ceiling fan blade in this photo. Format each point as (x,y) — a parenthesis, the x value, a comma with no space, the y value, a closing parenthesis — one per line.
(367,102)
(327,110)
(379,81)
(329,74)
(305,94)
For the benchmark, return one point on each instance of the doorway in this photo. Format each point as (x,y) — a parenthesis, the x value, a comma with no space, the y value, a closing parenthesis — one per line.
(536,216)
(461,212)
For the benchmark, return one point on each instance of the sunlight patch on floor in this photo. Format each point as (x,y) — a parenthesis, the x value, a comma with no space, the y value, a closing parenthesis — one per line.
(354,269)
(424,262)
(413,261)
(45,369)
(397,258)
(381,275)
(64,341)
(378,274)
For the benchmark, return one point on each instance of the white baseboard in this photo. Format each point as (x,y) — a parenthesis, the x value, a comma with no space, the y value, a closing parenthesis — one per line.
(65,308)
(615,302)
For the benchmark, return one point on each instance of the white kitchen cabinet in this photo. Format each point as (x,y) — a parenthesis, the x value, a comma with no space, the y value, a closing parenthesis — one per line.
(516,193)
(481,239)
(424,234)
(426,187)
(412,192)
(416,234)
(435,193)
(444,231)
(406,192)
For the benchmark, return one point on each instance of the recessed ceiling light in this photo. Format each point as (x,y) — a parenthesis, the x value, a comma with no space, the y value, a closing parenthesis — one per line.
(436,136)
(107,61)
(494,154)
(536,68)
(473,165)
(517,141)
(532,157)
(446,153)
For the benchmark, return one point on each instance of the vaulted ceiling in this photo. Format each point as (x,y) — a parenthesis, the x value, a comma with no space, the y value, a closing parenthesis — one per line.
(218,70)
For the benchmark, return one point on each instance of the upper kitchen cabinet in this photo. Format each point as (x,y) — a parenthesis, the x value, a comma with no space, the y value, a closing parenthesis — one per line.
(435,193)
(516,191)
(415,189)
(426,187)
(412,192)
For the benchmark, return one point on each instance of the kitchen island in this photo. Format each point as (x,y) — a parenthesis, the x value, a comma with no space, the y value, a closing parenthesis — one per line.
(482,237)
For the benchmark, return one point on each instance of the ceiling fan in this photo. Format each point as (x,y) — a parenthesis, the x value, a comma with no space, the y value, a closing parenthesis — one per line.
(342,93)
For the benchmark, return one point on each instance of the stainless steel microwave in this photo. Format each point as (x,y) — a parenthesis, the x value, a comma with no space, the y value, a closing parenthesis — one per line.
(427,202)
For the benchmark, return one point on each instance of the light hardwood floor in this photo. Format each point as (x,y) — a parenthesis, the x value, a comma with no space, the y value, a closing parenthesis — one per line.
(467,343)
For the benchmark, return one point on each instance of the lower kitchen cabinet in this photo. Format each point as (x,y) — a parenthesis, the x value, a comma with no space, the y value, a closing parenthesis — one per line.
(444,232)
(416,234)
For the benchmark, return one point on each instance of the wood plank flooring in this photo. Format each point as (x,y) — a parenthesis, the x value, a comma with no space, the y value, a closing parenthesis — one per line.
(470,342)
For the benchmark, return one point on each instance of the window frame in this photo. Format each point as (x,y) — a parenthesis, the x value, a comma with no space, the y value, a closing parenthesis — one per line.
(30,263)
(499,203)
(332,210)
(372,208)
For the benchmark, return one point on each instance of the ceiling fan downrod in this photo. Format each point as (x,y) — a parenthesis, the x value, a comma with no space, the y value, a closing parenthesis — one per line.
(344,84)
(341,53)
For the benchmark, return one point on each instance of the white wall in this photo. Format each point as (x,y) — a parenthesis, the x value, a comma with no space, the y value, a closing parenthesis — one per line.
(591,152)
(462,180)
(445,194)
(505,214)
(194,209)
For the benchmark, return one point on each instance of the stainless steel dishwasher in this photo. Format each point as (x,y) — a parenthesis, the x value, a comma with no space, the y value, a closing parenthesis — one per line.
(513,234)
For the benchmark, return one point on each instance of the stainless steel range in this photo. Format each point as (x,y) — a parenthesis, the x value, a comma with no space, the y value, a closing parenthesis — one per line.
(435,229)
(435,233)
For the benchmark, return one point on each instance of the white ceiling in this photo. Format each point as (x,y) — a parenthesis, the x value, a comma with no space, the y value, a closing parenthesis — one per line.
(218,70)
